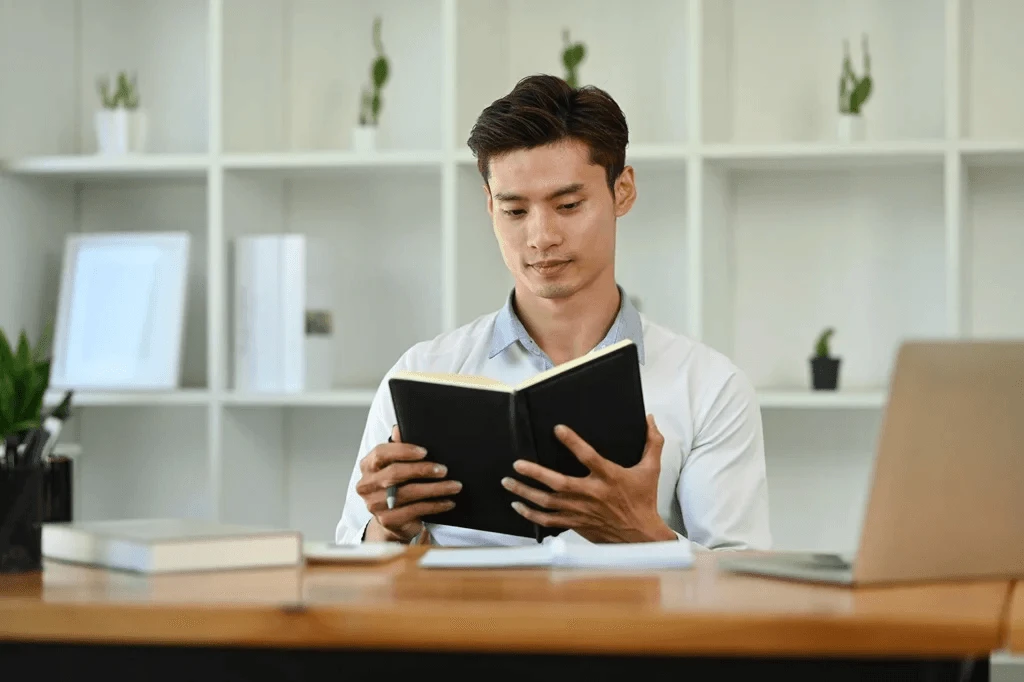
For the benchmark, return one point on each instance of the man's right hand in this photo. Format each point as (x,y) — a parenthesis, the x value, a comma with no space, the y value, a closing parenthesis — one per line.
(393,464)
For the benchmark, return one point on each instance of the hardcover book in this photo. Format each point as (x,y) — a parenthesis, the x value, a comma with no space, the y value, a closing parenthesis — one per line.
(477,427)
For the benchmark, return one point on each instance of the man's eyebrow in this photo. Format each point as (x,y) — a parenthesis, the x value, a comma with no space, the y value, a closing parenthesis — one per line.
(561,191)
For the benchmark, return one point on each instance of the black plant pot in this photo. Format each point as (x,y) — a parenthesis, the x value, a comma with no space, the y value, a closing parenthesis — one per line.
(825,373)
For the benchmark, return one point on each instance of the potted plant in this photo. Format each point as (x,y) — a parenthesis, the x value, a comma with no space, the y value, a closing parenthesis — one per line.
(824,367)
(573,55)
(121,127)
(24,378)
(853,93)
(364,136)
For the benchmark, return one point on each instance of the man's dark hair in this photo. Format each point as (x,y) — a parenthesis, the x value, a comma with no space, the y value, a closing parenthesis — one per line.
(544,109)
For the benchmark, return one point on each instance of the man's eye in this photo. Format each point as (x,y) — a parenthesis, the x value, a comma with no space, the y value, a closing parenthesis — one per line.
(571,206)
(515,212)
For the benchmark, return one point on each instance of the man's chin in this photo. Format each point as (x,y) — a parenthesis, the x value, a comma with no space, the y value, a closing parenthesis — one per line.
(553,290)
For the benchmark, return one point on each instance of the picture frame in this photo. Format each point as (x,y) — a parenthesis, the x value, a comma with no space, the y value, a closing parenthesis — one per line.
(121,312)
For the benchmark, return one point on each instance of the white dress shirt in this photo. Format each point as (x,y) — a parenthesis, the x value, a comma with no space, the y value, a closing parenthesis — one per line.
(712,490)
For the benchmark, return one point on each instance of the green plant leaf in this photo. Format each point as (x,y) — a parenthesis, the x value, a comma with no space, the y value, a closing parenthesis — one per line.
(35,390)
(6,356)
(24,352)
(380,72)
(23,425)
(7,406)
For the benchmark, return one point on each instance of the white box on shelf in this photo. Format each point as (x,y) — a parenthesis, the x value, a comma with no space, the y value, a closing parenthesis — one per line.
(270,313)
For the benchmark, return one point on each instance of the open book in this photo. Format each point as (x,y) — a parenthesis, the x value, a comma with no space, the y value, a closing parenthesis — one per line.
(478,427)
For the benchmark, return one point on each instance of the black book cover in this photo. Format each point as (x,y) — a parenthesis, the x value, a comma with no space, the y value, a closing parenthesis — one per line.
(478,427)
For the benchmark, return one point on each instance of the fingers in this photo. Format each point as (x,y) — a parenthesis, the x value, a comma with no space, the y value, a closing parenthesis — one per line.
(400,516)
(414,492)
(388,453)
(397,473)
(655,443)
(545,519)
(396,436)
(538,497)
(552,479)
(584,453)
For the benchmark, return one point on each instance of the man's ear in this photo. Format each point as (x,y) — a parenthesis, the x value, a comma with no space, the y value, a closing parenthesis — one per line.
(490,200)
(625,192)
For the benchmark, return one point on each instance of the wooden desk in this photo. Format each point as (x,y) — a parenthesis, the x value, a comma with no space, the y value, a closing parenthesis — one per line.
(397,610)
(1015,620)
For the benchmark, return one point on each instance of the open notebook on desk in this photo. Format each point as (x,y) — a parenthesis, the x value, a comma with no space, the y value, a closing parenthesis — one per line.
(557,553)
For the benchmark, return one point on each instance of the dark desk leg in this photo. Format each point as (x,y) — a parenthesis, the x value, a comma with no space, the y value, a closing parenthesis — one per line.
(39,662)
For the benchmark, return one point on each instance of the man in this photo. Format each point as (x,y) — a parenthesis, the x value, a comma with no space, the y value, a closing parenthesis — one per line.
(552,160)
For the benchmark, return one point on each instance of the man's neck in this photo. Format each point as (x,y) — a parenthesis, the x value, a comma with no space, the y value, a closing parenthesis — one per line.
(568,328)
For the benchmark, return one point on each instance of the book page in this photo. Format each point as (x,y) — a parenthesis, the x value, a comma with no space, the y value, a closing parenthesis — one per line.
(469,380)
(566,366)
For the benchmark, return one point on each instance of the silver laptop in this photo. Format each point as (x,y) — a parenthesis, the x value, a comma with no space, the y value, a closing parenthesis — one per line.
(947,490)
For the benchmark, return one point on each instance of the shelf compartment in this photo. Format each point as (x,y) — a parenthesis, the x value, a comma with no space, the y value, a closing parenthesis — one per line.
(294,72)
(368,260)
(500,41)
(70,44)
(771,69)
(790,253)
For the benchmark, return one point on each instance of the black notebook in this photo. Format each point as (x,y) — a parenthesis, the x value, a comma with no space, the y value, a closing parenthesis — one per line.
(478,427)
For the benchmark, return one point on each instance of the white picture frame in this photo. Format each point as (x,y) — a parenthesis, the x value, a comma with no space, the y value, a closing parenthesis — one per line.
(121,312)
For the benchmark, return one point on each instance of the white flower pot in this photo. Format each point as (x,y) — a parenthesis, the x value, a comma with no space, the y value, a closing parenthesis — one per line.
(851,128)
(364,138)
(119,131)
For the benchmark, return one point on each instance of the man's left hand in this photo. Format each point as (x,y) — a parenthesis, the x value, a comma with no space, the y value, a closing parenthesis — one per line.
(611,504)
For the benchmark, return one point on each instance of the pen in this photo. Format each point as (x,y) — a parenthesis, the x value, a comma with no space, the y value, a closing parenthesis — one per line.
(392,491)
(53,424)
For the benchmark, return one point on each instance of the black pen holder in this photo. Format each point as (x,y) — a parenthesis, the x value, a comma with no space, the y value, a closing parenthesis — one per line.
(57,501)
(21,519)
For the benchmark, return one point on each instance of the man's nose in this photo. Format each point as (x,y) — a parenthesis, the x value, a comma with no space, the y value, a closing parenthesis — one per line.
(543,232)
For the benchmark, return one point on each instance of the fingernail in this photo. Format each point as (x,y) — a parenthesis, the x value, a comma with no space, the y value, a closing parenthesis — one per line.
(440,469)
(449,504)
(457,486)
(518,506)
(560,429)
(507,482)
(518,465)
(421,450)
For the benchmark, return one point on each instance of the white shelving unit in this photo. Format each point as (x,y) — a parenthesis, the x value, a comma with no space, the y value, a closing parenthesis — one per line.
(754,228)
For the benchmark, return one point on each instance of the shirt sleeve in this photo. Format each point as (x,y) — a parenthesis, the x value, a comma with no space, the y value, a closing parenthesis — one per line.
(723,488)
(354,515)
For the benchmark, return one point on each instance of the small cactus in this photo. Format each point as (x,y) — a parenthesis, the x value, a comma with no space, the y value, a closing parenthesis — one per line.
(573,55)
(125,96)
(821,346)
(369,112)
(853,91)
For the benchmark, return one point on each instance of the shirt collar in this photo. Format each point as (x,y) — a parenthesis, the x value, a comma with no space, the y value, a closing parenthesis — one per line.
(508,329)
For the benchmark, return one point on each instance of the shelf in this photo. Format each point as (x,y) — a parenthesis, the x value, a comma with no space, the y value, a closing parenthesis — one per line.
(188,397)
(992,154)
(807,399)
(87,166)
(299,162)
(339,398)
(803,156)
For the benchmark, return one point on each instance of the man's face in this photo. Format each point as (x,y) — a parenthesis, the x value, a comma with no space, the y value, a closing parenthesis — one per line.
(554,216)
